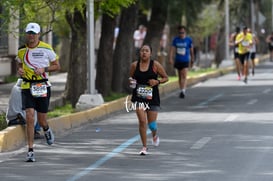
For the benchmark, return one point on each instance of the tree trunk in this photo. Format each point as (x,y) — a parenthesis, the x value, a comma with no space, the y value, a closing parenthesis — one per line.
(64,54)
(156,24)
(220,47)
(77,73)
(124,49)
(171,71)
(105,56)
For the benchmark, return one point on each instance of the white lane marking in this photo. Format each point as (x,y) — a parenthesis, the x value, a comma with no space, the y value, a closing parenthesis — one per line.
(210,100)
(107,157)
(231,117)
(200,143)
(266,91)
(252,101)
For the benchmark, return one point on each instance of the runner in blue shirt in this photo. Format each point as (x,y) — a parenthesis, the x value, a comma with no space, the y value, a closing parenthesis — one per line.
(182,48)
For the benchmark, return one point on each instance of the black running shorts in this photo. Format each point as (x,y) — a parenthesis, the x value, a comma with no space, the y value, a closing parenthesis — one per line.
(40,104)
(181,65)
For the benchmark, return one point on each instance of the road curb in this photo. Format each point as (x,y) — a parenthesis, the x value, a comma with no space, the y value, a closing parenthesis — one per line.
(14,137)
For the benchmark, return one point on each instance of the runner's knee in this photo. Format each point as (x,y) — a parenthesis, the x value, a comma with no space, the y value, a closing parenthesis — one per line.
(153,126)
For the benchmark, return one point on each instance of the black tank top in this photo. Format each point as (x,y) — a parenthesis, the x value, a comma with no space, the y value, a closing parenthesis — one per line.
(142,79)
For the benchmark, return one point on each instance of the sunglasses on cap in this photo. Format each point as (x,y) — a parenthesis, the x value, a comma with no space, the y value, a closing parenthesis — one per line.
(31,33)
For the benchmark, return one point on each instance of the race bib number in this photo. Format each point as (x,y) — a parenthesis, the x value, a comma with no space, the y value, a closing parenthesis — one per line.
(181,51)
(145,92)
(245,43)
(38,89)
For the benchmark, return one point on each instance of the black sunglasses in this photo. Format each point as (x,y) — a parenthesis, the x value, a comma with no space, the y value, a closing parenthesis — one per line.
(31,33)
(182,32)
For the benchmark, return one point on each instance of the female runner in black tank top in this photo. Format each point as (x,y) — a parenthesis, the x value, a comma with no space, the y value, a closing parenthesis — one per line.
(142,79)
(146,95)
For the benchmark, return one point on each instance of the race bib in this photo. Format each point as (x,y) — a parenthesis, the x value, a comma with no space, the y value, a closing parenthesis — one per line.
(245,43)
(38,89)
(181,51)
(144,92)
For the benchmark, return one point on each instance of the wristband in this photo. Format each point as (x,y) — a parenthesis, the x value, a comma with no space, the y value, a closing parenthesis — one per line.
(46,69)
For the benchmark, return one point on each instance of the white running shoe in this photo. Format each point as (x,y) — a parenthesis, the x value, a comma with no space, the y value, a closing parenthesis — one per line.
(30,157)
(49,136)
(155,140)
(143,151)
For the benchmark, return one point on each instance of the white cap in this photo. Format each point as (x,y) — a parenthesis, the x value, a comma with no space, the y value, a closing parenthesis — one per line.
(33,27)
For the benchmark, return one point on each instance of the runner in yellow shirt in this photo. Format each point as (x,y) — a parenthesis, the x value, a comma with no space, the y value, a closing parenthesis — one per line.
(35,60)
(244,42)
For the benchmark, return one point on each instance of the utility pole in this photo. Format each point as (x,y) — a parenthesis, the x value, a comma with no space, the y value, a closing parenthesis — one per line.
(90,47)
(92,98)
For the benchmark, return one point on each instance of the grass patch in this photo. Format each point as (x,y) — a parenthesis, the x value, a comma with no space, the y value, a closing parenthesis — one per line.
(193,73)
(60,111)
(113,96)
(172,78)
(10,79)
(3,122)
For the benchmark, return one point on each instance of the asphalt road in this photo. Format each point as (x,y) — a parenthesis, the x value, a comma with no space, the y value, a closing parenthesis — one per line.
(222,131)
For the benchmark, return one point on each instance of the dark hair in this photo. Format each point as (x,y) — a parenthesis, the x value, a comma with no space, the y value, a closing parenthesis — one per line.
(148,46)
(181,27)
(237,29)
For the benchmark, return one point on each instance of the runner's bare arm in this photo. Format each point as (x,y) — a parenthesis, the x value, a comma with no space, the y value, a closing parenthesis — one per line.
(20,70)
(132,69)
(172,51)
(162,73)
(54,66)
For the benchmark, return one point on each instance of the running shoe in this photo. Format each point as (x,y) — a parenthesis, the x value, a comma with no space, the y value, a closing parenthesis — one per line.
(49,137)
(143,151)
(30,157)
(155,140)
(239,77)
(182,95)
(245,80)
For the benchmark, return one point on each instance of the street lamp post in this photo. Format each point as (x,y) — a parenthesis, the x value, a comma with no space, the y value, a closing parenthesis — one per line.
(90,47)
(92,98)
